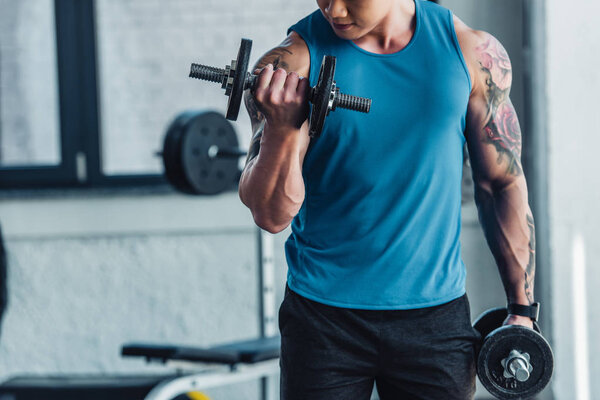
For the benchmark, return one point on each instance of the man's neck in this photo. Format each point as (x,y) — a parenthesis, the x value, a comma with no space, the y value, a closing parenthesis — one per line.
(394,32)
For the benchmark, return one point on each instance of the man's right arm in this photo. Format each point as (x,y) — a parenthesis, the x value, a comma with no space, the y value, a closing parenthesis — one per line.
(271,184)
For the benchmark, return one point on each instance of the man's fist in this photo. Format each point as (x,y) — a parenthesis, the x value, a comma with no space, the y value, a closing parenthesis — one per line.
(518,320)
(282,97)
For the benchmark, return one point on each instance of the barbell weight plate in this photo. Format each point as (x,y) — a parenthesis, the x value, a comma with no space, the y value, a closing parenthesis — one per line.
(241,71)
(320,96)
(498,345)
(171,154)
(206,174)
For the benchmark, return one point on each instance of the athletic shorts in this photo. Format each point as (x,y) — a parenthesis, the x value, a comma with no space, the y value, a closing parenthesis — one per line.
(338,353)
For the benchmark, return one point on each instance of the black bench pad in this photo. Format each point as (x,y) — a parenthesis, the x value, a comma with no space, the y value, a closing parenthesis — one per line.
(248,351)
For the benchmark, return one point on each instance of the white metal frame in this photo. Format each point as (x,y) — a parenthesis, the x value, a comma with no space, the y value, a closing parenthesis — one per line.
(169,389)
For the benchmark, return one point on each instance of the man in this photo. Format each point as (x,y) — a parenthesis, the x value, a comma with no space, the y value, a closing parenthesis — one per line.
(376,284)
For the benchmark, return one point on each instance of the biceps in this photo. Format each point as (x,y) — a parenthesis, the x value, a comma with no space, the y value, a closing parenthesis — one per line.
(494,141)
(493,133)
(291,55)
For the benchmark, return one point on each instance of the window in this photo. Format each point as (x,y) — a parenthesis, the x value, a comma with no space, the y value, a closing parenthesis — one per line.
(144,53)
(88,88)
(30,145)
(29,126)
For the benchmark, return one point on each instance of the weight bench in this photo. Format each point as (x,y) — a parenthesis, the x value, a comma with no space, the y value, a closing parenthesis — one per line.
(239,361)
(203,368)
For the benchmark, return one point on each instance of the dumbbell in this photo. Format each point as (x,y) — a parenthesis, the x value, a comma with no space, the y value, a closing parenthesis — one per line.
(325,96)
(513,362)
(201,153)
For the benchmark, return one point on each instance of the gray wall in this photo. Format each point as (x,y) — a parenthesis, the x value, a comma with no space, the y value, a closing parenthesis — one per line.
(573,51)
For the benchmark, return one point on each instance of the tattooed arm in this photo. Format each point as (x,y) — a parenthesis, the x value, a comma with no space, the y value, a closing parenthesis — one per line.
(271,184)
(494,141)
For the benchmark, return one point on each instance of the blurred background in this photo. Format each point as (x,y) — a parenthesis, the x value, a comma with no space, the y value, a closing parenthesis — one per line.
(100,251)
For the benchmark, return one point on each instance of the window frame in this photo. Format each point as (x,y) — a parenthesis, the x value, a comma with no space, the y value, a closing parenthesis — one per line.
(80,142)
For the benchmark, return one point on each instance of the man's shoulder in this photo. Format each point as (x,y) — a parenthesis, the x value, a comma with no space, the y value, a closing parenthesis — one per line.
(480,50)
(471,38)
(298,53)
(291,54)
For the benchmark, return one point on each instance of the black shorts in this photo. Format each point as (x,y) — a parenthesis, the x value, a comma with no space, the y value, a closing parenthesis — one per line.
(338,353)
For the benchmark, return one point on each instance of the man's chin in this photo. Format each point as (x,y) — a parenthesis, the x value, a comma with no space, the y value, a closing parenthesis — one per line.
(351,34)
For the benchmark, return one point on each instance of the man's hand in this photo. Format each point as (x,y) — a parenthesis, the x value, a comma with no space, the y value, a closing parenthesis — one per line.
(518,320)
(282,98)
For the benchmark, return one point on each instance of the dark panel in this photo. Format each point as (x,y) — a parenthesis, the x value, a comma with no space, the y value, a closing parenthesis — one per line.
(3,275)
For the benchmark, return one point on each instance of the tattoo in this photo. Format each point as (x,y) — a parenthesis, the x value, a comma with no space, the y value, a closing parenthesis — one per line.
(530,270)
(255,144)
(274,57)
(502,126)
(255,114)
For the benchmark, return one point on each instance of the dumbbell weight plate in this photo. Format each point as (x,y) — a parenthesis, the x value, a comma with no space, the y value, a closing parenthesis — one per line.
(498,345)
(239,78)
(492,319)
(186,153)
(320,96)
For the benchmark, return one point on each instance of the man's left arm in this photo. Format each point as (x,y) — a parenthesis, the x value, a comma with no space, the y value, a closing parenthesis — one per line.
(494,142)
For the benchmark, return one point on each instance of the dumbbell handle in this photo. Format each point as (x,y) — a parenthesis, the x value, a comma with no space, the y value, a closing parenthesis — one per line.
(219,152)
(215,151)
(351,102)
(219,75)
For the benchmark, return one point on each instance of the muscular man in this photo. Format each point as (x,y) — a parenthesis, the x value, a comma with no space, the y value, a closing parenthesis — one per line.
(376,284)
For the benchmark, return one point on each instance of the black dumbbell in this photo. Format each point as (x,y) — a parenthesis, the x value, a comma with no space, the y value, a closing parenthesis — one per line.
(325,96)
(513,362)
(200,153)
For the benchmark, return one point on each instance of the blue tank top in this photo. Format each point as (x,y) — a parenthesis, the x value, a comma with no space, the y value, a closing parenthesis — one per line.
(380,223)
